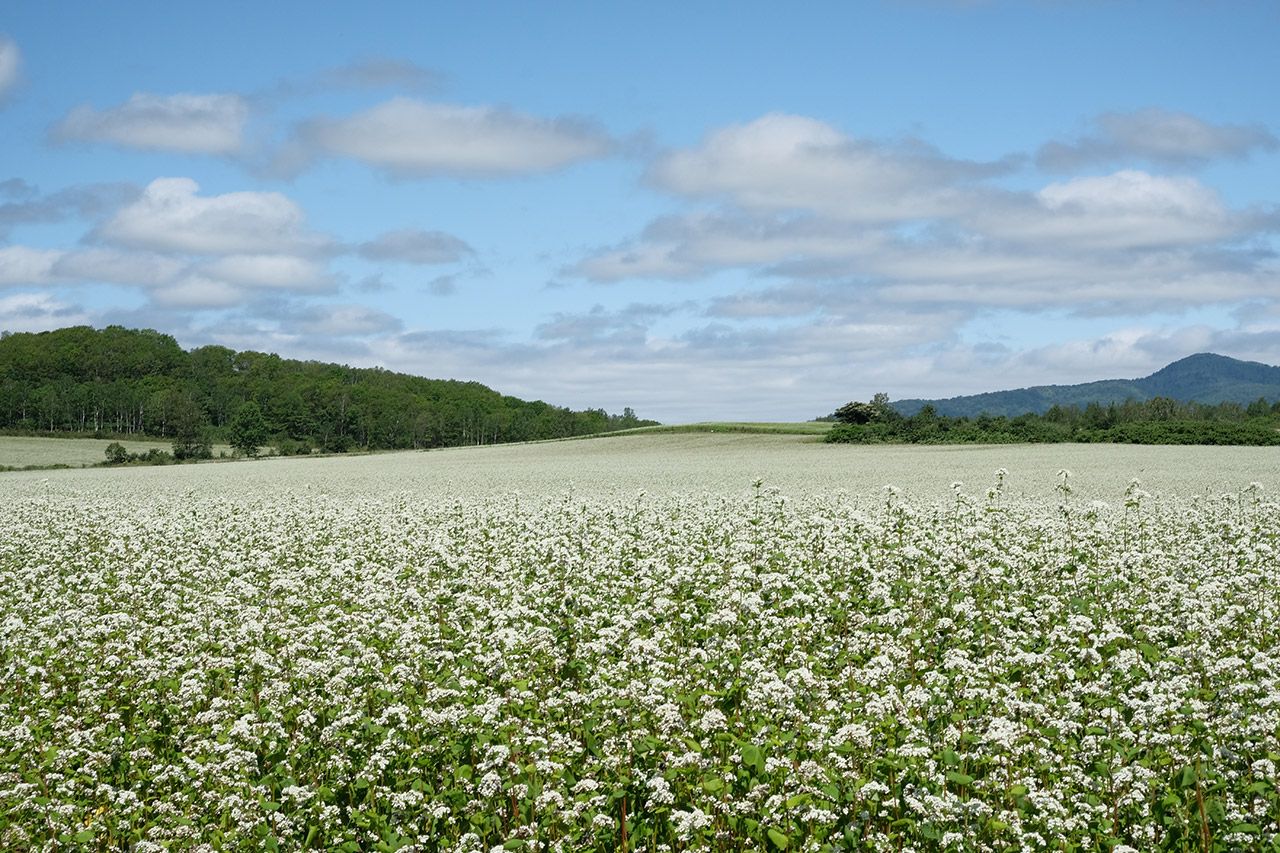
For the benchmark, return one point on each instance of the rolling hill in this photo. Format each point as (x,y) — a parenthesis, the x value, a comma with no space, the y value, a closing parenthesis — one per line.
(1202,378)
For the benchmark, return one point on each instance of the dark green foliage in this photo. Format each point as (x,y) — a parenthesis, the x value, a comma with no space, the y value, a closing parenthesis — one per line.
(128,382)
(117,455)
(248,429)
(855,413)
(1156,421)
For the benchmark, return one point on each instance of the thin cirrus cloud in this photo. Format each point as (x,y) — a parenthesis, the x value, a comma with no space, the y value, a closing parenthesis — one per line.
(170,217)
(410,138)
(1158,136)
(184,123)
(27,205)
(378,72)
(415,246)
(41,312)
(10,65)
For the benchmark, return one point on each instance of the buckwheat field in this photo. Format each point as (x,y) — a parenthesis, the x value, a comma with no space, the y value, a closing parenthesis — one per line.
(683,642)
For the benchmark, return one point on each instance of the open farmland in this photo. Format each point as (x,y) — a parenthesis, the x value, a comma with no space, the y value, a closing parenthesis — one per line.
(38,452)
(716,642)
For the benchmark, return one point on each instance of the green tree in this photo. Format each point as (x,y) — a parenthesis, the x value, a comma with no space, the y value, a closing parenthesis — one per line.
(190,437)
(856,413)
(248,429)
(116,454)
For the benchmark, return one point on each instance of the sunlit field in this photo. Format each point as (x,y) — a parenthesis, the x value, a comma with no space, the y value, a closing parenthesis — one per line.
(23,451)
(666,642)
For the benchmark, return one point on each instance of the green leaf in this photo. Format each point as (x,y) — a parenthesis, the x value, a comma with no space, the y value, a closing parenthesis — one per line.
(780,841)
(799,800)
(711,784)
(1188,777)
(959,778)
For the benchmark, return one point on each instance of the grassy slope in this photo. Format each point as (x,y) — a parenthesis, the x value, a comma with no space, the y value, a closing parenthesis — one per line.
(20,451)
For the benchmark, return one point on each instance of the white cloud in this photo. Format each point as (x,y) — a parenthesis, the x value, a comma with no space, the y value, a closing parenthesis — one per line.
(39,312)
(689,246)
(643,260)
(170,217)
(788,162)
(1127,209)
(408,137)
(1158,136)
(286,272)
(10,65)
(414,246)
(145,269)
(798,200)
(192,124)
(196,291)
(343,320)
(22,265)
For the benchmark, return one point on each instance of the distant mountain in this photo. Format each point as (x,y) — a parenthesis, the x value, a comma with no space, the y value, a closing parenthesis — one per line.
(1202,378)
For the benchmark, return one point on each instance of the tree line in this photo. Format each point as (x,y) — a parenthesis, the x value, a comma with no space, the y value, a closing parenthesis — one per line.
(1158,420)
(118,382)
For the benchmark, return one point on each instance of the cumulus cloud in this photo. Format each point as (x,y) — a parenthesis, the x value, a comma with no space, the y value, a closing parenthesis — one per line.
(185,123)
(10,65)
(1157,136)
(414,246)
(282,272)
(144,269)
(1129,226)
(832,216)
(197,291)
(411,138)
(169,216)
(1128,209)
(787,162)
(22,265)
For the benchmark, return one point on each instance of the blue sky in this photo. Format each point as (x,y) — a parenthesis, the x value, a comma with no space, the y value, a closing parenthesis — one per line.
(704,211)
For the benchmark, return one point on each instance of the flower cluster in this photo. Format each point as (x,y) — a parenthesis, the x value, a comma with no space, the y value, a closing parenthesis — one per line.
(214,665)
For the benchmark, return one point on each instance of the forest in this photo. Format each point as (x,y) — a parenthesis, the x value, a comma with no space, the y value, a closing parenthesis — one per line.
(1158,420)
(118,382)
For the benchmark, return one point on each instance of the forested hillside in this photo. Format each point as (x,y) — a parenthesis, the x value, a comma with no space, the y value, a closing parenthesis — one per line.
(118,381)
(1204,378)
